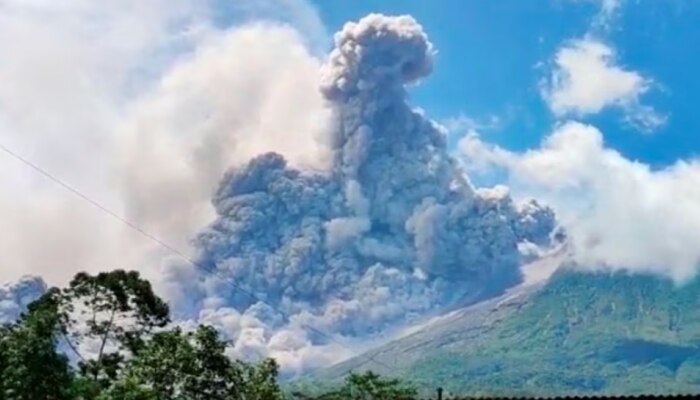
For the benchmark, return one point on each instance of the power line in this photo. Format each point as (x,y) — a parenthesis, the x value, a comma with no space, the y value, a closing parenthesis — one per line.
(172,249)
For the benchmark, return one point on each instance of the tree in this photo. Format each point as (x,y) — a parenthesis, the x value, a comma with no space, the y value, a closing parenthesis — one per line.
(368,386)
(113,311)
(135,357)
(5,331)
(30,366)
(194,366)
(128,389)
(261,380)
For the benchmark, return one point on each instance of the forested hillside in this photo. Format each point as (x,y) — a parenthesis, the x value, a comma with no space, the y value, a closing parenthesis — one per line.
(580,333)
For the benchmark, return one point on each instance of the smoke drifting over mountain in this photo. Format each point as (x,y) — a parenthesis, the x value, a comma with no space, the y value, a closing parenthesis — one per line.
(390,231)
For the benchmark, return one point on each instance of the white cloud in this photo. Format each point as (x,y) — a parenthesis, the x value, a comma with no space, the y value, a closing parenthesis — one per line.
(463,123)
(300,14)
(619,212)
(124,101)
(73,67)
(608,9)
(143,106)
(610,6)
(586,79)
(223,105)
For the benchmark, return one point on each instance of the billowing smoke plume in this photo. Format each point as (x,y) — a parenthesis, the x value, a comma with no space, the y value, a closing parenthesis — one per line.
(15,297)
(391,231)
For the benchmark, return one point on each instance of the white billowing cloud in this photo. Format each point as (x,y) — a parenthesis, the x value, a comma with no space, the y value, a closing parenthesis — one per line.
(53,234)
(73,66)
(610,6)
(294,349)
(226,103)
(586,79)
(618,212)
(300,14)
(462,123)
(607,11)
(143,106)
(87,78)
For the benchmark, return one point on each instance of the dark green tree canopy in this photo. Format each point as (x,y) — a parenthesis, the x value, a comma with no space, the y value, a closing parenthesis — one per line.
(140,356)
(30,367)
(113,311)
(367,386)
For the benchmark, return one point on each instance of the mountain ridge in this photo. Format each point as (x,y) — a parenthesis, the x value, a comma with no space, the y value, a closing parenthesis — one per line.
(579,333)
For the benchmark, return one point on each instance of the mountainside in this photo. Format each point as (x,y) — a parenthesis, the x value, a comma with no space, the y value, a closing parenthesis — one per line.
(578,333)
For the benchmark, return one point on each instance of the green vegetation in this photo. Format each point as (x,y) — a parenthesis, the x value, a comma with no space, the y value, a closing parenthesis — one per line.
(582,333)
(579,334)
(139,356)
(363,386)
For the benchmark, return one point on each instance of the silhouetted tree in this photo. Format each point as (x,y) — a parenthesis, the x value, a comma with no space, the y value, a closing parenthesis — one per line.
(184,366)
(138,357)
(30,366)
(367,386)
(111,310)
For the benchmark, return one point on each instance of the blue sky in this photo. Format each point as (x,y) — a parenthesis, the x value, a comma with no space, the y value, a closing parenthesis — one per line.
(492,56)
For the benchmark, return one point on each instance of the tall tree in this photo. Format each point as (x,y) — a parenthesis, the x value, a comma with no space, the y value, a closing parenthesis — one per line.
(194,366)
(261,380)
(112,312)
(134,358)
(30,366)
(367,386)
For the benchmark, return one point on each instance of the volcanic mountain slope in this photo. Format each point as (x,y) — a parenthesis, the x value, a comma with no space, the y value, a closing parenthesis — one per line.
(578,333)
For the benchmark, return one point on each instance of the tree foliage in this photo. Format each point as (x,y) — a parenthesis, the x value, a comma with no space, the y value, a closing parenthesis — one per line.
(193,365)
(367,386)
(138,355)
(30,367)
(113,311)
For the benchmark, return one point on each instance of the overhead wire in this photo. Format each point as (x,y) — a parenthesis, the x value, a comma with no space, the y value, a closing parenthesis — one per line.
(38,169)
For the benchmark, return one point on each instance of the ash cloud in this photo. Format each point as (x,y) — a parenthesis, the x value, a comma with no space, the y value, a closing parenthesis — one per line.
(15,297)
(390,231)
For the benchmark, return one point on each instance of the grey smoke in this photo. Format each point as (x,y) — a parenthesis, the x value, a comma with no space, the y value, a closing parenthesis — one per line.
(391,231)
(15,297)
